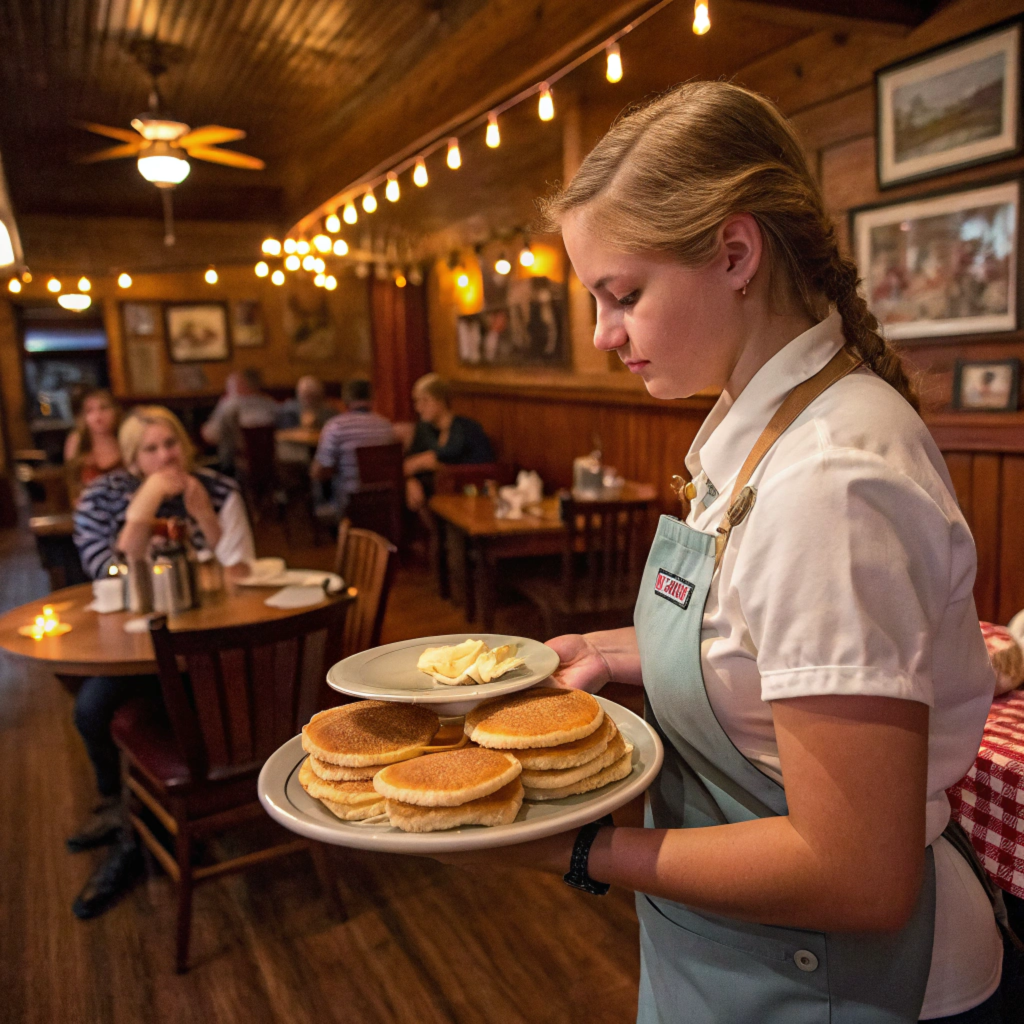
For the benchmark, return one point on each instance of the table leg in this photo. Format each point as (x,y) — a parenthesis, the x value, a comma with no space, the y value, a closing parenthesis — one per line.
(444,587)
(487,584)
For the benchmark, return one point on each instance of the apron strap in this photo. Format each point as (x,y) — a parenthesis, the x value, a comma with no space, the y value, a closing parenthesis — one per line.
(741,501)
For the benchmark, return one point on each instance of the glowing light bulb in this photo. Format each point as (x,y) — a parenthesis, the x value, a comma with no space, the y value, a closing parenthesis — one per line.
(124,281)
(26,277)
(462,280)
(262,269)
(493,136)
(292,262)
(526,257)
(454,156)
(391,190)
(319,280)
(400,281)
(289,246)
(369,201)
(349,215)
(319,266)
(331,283)
(84,284)
(74,301)
(545,105)
(277,277)
(332,223)
(341,247)
(308,263)
(53,285)
(302,247)
(271,247)
(322,243)
(14,285)
(419,173)
(210,277)
(614,70)
(503,266)
(701,18)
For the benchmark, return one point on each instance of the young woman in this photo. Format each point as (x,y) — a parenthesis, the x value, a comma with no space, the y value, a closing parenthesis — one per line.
(817,674)
(91,449)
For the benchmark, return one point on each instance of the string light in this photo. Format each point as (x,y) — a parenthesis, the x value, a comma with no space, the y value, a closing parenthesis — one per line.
(701,18)
(369,201)
(341,247)
(319,280)
(84,284)
(26,277)
(332,223)
(53,285)
(277,277)
(302,247)
(419,173)
(272,247)
(454,156)
(546,104)
(493,136)
(391,190)
(503,266)
(322,243)
(319,266)
(614,70)
(262,269)
(210,277)
(526,257)
(292,262)
(124,281)
(308,263)
(331,283)
(14,285)
(349,215)
(289,246)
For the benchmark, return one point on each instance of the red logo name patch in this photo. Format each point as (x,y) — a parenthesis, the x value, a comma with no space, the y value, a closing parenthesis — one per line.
(673,588)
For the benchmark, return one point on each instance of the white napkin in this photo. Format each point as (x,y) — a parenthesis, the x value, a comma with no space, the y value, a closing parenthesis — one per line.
(139,625)
(295,597)
(296,578)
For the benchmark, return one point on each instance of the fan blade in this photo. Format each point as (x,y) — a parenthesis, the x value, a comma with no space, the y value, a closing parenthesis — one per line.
(225,156)
(111,133)
(114,152)
(210,135)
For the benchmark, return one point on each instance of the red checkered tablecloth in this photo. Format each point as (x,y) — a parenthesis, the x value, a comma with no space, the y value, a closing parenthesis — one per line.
(989,800)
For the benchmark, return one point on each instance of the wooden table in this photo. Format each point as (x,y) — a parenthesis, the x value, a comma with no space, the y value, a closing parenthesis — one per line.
(469,533)
(98,645)
(307,436)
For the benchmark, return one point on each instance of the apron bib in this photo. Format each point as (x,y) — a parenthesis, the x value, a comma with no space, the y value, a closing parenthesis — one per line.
(700,968)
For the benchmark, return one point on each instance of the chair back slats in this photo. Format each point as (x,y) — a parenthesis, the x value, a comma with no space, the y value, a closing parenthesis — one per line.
(246,689)
(367,563)
(381,463)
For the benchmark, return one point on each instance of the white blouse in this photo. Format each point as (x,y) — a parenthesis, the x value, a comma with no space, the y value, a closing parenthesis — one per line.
(852,574)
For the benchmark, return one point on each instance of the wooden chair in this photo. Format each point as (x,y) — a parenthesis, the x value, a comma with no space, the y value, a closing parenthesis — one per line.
(454,479)
(57,552)
(378,503)
(602,562)
(232,696)
(257,469)
(364,560)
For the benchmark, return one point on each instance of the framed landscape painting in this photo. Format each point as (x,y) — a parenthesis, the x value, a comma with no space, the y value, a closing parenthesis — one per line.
(197,332)
(950,108)
(944,265)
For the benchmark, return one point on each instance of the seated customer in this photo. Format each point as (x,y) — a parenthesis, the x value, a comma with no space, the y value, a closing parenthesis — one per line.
(308,408)
(440,437)
(357,427)
(116,515)
(243,404)
(91,449)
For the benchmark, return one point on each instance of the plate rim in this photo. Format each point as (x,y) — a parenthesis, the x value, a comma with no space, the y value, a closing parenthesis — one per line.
(447,841)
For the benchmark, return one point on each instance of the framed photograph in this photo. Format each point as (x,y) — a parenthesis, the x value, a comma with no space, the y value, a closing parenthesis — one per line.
(990,386)
(140,318)
(951,107)
(197,332)
(944,265)
(246,324)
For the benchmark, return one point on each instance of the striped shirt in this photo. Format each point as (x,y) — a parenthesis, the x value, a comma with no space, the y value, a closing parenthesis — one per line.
(101,509)
(341,436)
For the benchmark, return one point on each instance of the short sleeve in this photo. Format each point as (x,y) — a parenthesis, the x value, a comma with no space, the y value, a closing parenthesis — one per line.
(843,578)
(236,543)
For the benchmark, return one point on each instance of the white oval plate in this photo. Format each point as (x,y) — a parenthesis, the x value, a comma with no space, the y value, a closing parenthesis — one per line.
(291,806)
(390,673)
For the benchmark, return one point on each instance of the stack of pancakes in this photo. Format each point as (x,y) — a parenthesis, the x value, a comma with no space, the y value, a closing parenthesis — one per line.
(562,738)
(349,745)
(471,786)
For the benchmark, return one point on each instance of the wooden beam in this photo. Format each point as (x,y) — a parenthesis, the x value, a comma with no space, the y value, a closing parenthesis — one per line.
(898,12)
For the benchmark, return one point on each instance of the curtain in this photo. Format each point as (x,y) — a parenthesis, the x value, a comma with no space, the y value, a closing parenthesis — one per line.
(401,348)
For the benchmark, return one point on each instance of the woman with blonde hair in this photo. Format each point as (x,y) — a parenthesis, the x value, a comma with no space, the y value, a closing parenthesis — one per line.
(815,669)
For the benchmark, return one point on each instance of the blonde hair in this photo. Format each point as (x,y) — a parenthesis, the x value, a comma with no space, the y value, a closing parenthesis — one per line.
(436,387)
(129,437)
(667,174)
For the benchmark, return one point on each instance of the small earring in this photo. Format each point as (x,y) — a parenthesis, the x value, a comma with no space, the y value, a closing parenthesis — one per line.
(745,283)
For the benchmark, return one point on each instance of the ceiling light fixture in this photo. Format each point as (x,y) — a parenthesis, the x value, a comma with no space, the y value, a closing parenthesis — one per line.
(277,277)
(308,262)
(302,247)
(331,283)
(53,285)
(369,201)
(319,280)
(503,266)
(262,269)
(701,18)
(349,214)
(391,190)
(526,257)
(454,156)
(6,246)
(332,223)
(14,286)
(124,280)
(546,104)
(162,165)
(84,284)
(340,247)
(272,247)
(419,173)
(493,136)
(292,262)
(613,71)
(322,243)
(289,246)
(74,301)
(210,277)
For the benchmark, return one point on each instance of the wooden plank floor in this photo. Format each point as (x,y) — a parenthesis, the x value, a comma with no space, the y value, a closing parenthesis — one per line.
(424,943)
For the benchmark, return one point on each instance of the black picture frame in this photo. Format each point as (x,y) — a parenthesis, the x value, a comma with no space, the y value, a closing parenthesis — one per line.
(965,376)
(206,316)
(972,152)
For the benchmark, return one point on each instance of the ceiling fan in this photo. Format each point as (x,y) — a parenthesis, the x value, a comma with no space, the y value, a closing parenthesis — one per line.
(162,146)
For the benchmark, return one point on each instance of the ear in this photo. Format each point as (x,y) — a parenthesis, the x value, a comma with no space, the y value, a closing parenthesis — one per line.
(741,247)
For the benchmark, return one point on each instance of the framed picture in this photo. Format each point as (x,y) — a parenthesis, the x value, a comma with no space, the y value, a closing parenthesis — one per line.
(197,332)
(992,385)
(246,324)
(140,318)
(951,107)
(944,265)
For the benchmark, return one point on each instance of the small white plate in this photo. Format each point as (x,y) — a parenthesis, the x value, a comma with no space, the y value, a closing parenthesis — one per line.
(390,673)
(291,806)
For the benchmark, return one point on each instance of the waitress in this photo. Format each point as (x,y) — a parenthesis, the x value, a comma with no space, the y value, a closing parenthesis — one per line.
(815,669)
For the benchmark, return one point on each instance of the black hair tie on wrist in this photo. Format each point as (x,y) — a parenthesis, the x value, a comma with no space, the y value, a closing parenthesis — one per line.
(577,875)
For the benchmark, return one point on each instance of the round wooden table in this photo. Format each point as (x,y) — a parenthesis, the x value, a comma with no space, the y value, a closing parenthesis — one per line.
(97,645)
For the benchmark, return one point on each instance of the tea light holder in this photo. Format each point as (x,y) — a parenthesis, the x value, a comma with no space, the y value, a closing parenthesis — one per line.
(47,624)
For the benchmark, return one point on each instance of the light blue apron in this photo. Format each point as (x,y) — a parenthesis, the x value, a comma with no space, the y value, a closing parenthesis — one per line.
(699,968)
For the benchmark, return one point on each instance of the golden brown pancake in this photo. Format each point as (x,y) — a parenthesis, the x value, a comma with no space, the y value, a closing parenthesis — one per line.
(619,770)
(369,732)
(339,773)
(568,755)
(348,800)
(498,808)
(556,778)
(449,779)
(540,717)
